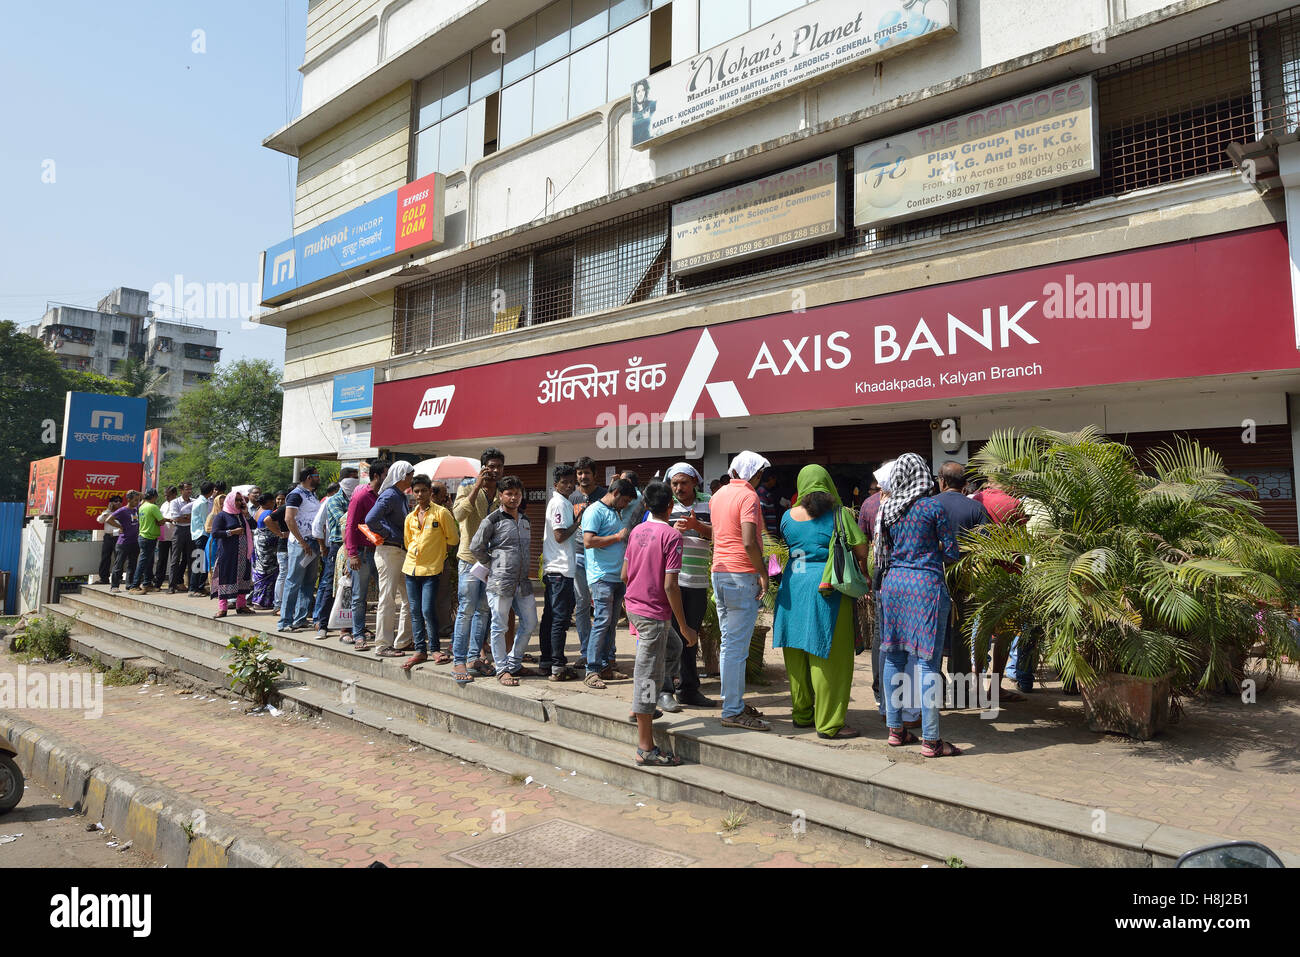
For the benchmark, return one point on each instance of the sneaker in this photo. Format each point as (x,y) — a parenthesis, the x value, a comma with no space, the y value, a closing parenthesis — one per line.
(321,634)
(668,703)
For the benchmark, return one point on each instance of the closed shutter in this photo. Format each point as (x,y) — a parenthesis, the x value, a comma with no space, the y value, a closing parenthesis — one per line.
(1266,463)
(877,443)
(536,493)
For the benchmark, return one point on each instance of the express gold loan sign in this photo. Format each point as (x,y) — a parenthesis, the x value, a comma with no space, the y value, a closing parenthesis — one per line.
(1041,139)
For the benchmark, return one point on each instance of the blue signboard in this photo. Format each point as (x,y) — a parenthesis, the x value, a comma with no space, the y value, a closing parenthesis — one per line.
(103,428)
(354,394)
(408,218)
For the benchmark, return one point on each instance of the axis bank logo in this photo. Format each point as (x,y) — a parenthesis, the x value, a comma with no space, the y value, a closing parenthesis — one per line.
(433,407)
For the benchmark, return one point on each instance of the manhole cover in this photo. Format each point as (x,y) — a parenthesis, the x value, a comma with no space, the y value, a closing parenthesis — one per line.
(561,843)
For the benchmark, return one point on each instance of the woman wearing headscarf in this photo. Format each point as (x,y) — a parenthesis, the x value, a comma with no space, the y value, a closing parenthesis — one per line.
(914,600)
(210,549)
(266,569)
(814,625)
(233,533)
(387,519)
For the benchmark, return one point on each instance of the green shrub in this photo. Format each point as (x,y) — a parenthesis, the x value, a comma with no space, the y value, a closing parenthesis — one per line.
(254,671)
(47,637)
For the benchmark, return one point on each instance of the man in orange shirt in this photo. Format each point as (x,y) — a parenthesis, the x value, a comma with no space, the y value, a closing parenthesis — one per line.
(739,581)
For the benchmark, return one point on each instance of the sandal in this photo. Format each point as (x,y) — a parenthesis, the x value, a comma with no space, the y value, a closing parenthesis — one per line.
(1012,697)
(361,645)
(462,677)
(901,736)
(754,712)
(798,724)
(593,680)
(564,674)
(613,674)
(441,658)
(938,749)
(746,721)
(391,653)
(526,672)
(481,668)
(654,758)
(844,732)
(507,679)
(220,614)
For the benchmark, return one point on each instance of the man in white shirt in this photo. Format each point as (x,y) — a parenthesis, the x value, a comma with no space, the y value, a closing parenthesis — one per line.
(182,508)
(165,537)
(560,563)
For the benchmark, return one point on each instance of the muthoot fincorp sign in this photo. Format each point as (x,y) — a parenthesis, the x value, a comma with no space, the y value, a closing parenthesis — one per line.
(823,37)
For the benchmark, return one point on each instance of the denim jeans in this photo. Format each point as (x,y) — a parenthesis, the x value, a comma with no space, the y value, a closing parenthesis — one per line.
(422,593)
(525,607)
(360,588)
(472,616)
(582,606)
(281,559)
(325,591)
(295,604)
(736,595)
(932,689)
(198,573)
(556,615)
(124,562)
(144,565)
(608,598)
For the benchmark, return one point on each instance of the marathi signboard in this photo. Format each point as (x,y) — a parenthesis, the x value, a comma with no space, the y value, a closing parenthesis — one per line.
(405,220)
(1042,139)
(826,36)
(786,210)
(104,428)
(42,486)
(1148,314)
(87,487)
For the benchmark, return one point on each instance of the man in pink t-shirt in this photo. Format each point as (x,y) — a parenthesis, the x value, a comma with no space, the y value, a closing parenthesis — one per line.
(739,581)
(361,554)
(650,566)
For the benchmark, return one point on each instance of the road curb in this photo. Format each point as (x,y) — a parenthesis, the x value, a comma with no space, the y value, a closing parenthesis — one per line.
(161,822)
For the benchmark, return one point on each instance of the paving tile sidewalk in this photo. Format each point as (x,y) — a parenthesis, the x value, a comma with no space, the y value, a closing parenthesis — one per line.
(349,798)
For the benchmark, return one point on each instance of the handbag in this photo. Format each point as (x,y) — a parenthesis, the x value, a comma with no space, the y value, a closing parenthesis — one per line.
(842,571)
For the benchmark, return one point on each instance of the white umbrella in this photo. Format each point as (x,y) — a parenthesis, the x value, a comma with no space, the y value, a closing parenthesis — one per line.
(448,467)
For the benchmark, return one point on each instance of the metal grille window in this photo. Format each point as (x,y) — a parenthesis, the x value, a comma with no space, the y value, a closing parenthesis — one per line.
(1164,116)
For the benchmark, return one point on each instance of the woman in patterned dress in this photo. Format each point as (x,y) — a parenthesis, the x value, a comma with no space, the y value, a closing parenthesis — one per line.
(914,600)
(266,567)
(234,534)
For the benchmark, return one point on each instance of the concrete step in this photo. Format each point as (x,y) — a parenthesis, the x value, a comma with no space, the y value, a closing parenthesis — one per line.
(564,729)
(611,763)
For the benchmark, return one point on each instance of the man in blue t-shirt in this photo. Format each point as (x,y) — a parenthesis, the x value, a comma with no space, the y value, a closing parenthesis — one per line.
(605,531)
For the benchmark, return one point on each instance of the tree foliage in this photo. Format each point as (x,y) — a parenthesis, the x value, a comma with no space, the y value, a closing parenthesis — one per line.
(32,395)
(1125,570)
(228,429)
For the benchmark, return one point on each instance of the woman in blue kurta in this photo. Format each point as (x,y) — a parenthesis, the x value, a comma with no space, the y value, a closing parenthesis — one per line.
(914,600)
(815,627)
(234,535)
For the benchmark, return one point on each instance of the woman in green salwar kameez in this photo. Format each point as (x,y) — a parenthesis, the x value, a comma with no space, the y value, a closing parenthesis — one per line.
(814,629)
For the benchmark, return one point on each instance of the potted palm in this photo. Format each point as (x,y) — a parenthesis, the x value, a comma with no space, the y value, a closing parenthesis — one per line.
(1143,583)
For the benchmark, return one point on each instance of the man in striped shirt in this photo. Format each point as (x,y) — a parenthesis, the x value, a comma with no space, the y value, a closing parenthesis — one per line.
(690,516)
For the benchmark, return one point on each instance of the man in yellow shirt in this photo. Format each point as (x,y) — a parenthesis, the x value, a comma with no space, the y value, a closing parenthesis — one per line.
(430,528)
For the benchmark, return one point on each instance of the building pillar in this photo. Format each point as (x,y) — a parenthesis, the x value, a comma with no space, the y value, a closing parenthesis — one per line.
(1288,166)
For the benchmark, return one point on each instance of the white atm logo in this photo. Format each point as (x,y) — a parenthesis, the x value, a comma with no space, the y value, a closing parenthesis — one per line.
(433,407)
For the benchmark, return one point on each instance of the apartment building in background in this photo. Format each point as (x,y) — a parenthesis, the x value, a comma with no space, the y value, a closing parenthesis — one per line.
(122,327)
(830,231)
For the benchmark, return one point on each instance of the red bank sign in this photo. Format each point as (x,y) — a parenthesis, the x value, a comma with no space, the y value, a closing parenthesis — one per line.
(1203,307)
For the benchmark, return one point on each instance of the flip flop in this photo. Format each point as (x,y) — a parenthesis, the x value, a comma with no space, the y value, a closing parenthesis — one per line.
(441,658)
(462,677)
(391,653)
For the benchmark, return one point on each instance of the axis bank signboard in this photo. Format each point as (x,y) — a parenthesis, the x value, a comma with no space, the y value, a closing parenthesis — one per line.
(1149,314)
(823,37)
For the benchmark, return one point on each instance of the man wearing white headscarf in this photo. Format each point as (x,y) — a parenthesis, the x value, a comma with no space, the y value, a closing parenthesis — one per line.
(739,581)
(690,516)
(387,518)
(300,507)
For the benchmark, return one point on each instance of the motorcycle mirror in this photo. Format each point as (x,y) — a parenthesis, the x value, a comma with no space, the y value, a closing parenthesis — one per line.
(1231,854)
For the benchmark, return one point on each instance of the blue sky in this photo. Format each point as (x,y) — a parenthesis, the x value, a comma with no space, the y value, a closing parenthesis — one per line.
(157,164)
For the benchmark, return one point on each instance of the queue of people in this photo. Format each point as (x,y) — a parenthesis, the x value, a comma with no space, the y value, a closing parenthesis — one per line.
(460,571)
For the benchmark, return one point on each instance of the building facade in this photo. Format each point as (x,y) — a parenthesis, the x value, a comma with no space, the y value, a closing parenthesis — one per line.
(830,232)
(122,327)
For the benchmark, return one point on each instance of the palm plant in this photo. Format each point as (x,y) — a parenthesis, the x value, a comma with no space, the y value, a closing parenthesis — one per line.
(145,381)
(1166,573)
